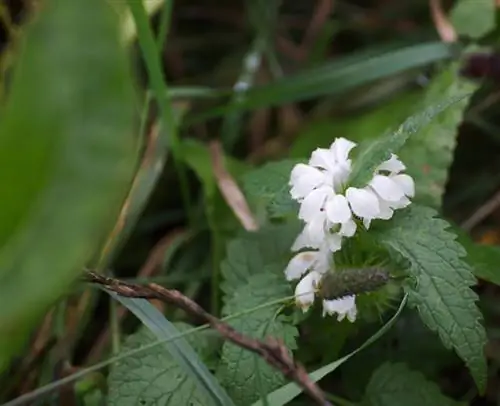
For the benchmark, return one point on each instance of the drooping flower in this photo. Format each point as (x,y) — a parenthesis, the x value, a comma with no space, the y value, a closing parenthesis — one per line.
(343,307)
(387,191)
(310,267)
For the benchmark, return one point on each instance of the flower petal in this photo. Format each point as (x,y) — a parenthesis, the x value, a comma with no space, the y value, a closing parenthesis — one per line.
(401,203)
(363,202)
(341,148)
(406,183)
(334,241)
(386,210)
(386,188)
(313,204)
(337,209)
(315,230)
(302,241)
(345,306)
(323,261)
(299,264)
(392,165)
(367,222)
(348,229)
(323,158)
(304,179)
(306,289)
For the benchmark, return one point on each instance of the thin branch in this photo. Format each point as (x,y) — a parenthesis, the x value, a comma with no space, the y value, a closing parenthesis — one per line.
(271,350)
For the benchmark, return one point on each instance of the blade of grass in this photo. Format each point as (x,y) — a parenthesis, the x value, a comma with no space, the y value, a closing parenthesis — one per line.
(165,18)
(335,78)
(180,349)
(160,90)
(288,392)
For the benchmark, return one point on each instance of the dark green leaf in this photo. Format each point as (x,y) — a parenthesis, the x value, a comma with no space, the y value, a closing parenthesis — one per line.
(442,282)
(68,153)
(245,375)
(396,385)
(269,185)
(429,153)
(264,251)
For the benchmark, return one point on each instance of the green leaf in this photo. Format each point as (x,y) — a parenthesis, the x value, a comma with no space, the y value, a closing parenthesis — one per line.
(371,154)
(154,377)
(68,153)
(264,251)
(245,375)
(336,78)
(179,349)
(429,153)
(473,18)
(396,384)
(442,290)
(269,186)
(357,128)
(290,391)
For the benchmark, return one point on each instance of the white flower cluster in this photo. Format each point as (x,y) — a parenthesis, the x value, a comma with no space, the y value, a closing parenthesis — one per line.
(331,211)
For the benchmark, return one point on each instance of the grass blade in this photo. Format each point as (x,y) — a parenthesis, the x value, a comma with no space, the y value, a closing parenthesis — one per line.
(288,392)
(179,349)
(335,78)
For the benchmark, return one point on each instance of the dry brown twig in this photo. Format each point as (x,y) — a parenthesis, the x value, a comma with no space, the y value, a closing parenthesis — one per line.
(230,189)
(271,350)
(442,23)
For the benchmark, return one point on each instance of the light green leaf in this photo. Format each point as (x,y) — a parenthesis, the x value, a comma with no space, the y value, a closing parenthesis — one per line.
(290,391)
(179,349)
(429,153)
(264,251)
(245,375)
(371,154)
(442,290)
(357,128)
(396,385)
(473,18)
(154,377)
(269,186)
(68,153)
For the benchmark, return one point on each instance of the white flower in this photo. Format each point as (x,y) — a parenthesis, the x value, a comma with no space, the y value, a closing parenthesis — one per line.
(317,187)
(318,261)
(315,264)
(387,191)
(306,290)
(345,306)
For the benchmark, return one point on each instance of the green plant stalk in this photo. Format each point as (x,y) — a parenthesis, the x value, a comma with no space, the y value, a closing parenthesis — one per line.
(166,15)
(160,90)
(115,327)
(216,257)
